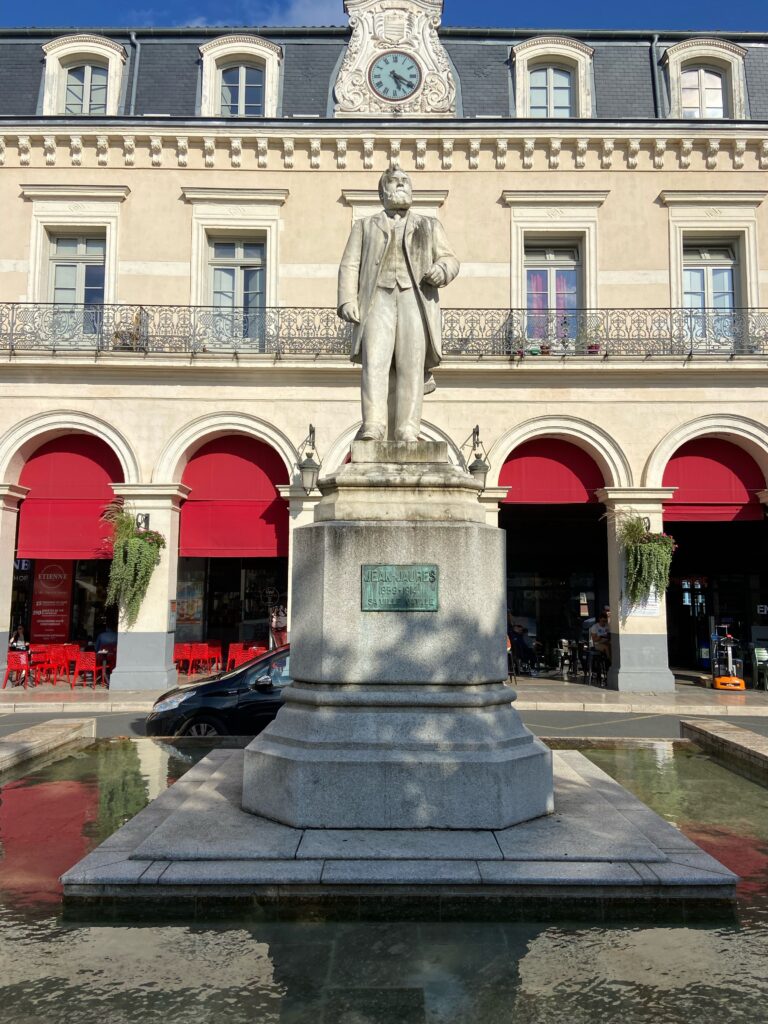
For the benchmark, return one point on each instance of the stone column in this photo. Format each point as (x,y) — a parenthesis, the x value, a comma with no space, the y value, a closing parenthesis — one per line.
(301,512)
(145,650)
(638,634)
(491,498)
(10,496)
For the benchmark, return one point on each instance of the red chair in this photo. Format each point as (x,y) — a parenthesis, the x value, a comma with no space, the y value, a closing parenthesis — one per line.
(18,661)
(88,662)
(181,656)
(199,655)
(233,650)
(58,658)
(214,652)
(240,657)
(71,651)
(40,663)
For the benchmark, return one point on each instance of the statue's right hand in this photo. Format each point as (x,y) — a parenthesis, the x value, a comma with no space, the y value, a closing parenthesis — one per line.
(350,311)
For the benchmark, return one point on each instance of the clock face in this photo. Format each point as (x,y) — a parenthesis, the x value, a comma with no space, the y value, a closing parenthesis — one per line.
(394,76)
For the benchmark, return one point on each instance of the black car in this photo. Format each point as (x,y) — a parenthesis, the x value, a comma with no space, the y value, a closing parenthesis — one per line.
(237,703)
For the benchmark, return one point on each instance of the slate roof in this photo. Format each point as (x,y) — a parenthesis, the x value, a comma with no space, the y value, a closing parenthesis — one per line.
(169,70)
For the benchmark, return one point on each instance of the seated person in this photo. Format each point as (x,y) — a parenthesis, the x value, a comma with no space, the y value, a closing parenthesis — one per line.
(600,637)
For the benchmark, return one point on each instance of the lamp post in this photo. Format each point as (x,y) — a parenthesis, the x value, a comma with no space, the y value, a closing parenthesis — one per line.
(478,468)
(309,467)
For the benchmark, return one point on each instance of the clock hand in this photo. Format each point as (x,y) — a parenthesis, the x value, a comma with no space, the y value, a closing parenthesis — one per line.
(399,78)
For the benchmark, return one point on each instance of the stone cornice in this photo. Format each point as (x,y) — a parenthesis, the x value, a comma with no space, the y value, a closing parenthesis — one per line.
(76,193)
(240,40)
(634,495)
(85,42)
(512,146)
(370,197)
(544,43)
(555,197)
(263,196)
(711,197)
(704,43)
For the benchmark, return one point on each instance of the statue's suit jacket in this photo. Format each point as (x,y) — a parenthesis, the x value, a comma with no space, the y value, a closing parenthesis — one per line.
(425,244)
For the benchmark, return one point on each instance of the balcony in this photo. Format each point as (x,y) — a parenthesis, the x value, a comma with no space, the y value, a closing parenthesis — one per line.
(312,331)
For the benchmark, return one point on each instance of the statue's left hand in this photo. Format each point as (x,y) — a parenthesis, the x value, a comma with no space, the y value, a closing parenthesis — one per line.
(435,276)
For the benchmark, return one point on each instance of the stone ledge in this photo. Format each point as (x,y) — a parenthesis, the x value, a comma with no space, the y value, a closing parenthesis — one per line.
(41,739)
(744,751)
(602,854)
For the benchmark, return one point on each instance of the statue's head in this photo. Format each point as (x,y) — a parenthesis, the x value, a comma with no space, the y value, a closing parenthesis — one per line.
(395,189)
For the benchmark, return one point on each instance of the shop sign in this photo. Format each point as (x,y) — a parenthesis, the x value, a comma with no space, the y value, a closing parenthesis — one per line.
(51,602)
(762,609)
(399,588)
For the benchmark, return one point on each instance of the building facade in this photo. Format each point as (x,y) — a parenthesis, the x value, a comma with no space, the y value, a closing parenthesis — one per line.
(175,204)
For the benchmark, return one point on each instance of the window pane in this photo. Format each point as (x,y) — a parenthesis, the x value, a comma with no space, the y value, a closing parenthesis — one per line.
(253,287)
(73,101)
(253,250)
(224,250)
(693,289)
(722,287)
(224,287)
(566,289)
(98,100)
(539,78)
(65,284)
(561,79)
(230,91)
(66,246)
(713,80)
(254,92)
(690,79)
(95,246)
(94,284)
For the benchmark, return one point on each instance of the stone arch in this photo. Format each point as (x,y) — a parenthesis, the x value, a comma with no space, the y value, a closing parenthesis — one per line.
(189,438)
(335,455)
(591,439)
(25,437)
(746,433)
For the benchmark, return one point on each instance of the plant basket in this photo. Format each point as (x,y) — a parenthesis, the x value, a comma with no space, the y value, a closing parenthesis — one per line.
(135,555)
(647,559)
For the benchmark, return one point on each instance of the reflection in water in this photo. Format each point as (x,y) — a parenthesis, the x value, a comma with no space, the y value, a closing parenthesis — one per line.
(352,973)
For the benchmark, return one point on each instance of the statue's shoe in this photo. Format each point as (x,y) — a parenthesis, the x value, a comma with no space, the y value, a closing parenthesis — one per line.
(402,435)
(429,384)
(375,432)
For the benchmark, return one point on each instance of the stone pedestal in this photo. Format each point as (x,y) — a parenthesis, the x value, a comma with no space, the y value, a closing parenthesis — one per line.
(398,719)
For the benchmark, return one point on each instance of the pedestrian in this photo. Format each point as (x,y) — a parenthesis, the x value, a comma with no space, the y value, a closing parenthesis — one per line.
(278,623)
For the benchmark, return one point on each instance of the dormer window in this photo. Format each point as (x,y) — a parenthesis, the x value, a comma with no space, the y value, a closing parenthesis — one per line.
(83,76)
(553,78)
(551,92)
(85,90)
(702,93)
(241,76)
(706,80)
(242,91)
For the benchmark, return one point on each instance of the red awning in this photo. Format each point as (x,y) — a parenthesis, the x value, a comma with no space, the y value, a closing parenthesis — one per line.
(69,480)
(234,509)
(549,471)
(716,481)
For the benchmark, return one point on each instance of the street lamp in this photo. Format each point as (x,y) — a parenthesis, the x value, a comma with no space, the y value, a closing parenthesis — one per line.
(309,467)
(478,468)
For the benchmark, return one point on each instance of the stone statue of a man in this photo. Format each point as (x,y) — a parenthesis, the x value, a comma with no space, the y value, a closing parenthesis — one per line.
(389,275)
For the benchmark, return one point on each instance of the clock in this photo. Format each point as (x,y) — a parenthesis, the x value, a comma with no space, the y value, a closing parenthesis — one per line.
(394,76)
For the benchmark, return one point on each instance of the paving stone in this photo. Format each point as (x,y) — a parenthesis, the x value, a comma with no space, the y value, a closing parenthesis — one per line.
(243,872)
(398,844)
(543,872)
(401,872)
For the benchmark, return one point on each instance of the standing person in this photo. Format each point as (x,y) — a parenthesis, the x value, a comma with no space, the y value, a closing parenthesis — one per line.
(392,267)
(18,640)
(278,623)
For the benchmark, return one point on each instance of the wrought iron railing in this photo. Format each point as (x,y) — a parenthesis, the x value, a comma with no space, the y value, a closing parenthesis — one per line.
(313,331)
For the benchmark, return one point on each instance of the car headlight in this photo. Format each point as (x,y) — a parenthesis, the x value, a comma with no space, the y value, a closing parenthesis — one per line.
(172,702)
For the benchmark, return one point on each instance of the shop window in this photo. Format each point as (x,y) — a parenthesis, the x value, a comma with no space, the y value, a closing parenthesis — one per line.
(552,284)
(83,76)
(77,282)
(237,274)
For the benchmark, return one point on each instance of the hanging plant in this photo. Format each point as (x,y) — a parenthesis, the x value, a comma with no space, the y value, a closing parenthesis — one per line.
(647,559)
(135,554)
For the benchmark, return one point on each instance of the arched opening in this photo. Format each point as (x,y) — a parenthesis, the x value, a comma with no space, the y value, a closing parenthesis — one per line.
(557,570)
(62,551)
(720,567)
(233,544)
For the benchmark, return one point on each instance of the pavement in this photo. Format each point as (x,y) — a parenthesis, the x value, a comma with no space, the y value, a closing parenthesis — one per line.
(534,694)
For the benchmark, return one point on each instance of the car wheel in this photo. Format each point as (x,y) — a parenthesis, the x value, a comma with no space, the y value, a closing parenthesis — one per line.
(204,725)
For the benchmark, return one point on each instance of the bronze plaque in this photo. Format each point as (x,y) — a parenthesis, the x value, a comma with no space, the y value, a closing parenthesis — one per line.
(399,588)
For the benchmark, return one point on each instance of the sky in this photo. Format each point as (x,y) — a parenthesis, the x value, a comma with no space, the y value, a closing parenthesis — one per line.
(704,15)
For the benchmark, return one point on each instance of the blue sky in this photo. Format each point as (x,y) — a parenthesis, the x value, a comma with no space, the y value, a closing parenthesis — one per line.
(744,15)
